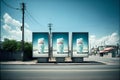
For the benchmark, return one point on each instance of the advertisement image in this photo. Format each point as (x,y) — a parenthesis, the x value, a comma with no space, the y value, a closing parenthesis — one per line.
(80,44)
(40,44)
(60,44)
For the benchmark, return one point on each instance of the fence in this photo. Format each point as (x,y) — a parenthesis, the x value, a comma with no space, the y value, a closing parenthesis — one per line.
(10,56)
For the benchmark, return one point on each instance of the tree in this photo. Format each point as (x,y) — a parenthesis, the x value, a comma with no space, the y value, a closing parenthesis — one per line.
(28,50)
(9,45)
(13,46)
(19,46)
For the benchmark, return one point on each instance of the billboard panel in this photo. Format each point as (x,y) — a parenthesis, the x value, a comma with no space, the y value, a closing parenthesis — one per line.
(60,44)
(40,44)
(80,45)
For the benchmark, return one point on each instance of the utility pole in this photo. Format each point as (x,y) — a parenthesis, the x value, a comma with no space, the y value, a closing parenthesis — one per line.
(49,25)
(50,40)
(0,40)
(22,28)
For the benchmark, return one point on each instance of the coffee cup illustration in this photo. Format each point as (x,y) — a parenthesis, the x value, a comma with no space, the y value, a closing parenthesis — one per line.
(79,44)
(60,45)
(41,45)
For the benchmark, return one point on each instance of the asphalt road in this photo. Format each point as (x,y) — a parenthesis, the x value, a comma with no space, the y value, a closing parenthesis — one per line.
(60,72)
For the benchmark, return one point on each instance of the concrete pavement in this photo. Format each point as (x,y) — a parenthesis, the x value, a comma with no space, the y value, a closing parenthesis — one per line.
(94,59)
(105,59)
(60,72)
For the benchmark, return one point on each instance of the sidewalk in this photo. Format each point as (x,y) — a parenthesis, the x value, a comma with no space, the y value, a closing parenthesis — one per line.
(105,60)
(90,60)
(19,62)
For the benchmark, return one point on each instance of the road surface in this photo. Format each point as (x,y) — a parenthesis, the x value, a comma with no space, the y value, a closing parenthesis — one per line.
(60,72)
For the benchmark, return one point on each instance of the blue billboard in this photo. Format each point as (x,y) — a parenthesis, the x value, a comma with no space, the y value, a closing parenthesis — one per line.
(80,45)
(40,44)
(60,44)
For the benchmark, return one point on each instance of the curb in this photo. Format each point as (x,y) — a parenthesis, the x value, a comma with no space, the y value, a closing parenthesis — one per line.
(53,63)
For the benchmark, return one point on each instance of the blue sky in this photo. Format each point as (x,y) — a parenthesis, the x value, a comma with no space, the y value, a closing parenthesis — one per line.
(98,17)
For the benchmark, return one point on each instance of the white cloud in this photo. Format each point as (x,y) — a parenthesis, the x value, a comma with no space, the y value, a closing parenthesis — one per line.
(92,41)
(106,40)
(6,27)
(28,35)
(113,39)
(12,27)
(9,20)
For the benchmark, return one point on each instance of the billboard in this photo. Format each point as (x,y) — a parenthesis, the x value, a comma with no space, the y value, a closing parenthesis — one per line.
(60,44)
(80,45)
(40,42)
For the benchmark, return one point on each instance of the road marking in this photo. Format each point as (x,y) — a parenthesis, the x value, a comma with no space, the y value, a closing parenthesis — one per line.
(62,70)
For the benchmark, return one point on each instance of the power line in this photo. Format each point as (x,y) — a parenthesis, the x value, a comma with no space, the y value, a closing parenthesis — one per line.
(33,18)
(10,5)
(20,9)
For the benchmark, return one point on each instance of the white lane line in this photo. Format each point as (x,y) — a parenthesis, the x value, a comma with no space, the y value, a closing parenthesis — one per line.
(62,70)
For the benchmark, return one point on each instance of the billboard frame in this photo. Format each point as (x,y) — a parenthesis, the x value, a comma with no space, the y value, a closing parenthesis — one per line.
(48,45)
(81,55)
(67,43)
